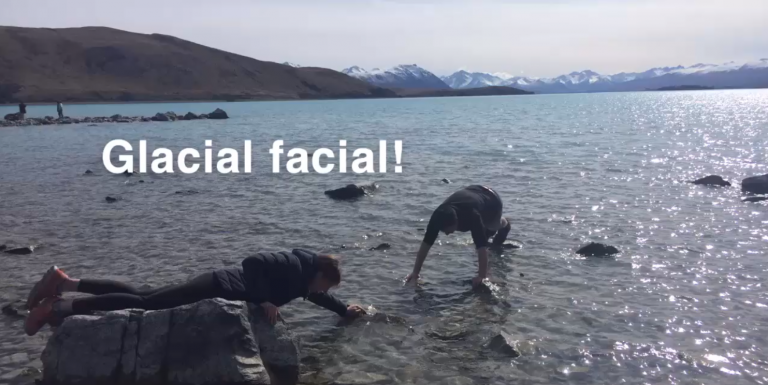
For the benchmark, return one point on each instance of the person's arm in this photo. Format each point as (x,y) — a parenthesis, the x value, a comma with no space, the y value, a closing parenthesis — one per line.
(256,281)
(481,244)
(329,302)
(433,228)
(420,257)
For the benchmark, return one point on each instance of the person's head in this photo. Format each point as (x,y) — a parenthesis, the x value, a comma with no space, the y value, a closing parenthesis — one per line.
(446,217)
(328,274)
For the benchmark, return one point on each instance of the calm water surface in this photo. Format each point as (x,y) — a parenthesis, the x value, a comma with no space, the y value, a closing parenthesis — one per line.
(682,304)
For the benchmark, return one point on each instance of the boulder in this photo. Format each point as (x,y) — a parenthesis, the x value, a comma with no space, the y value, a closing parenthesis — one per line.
(88,172)
(49,118)
(504,343)
(209,342)
(597,250)
(161,118)
(381,247)
(171,115)
(218,114)
(712,180)
(191,116)
(351,191)
(15,309)
(446,181)
(110,199)
(755,199)
(13,117)
(115,117)
(146,119)
(755,185)
(21,250)
(127,173)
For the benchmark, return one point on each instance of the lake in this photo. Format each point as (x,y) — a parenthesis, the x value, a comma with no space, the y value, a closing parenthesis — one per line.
(683,303)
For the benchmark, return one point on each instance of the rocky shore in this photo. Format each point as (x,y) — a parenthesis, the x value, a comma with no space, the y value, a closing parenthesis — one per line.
(12,120)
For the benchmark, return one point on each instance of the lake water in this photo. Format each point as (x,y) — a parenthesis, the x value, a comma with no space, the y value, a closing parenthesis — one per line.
(683,303)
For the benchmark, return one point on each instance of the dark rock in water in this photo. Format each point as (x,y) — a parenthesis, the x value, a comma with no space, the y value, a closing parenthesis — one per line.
(191,116)
(141,180)
(161,118)
(13,117)
(755,199)
(343,247)
(218,114)
(446,180)
(2,247)
(208,342)
(49,118)
(712,180)
(116,117)
(522,275)
(381,247)
(387,319)
(449,332)
(88,172)
(126,173)
(421,229)
(111,199)
(65,121)
(146,119)
(21,250)
(124,120)
(755,185)
(597,250)
(15,309)
(351,191)
(187,192)
(504,344)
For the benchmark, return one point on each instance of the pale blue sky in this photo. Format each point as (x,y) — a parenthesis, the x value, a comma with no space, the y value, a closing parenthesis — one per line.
(535,38)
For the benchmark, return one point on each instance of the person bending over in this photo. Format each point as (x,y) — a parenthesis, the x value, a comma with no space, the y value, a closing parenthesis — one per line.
(476,209)
(267,279)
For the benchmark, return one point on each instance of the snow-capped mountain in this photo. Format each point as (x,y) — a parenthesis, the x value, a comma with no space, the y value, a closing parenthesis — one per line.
(464,79)
(402,76)
(728,75)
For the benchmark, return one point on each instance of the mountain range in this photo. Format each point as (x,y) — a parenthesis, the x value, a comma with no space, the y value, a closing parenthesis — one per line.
(728,75)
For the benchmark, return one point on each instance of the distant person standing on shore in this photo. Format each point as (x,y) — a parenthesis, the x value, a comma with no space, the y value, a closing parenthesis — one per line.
(22,110)
(476,209)
(60,110)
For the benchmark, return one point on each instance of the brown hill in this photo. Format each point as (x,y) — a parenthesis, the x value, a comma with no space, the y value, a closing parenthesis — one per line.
(105,64)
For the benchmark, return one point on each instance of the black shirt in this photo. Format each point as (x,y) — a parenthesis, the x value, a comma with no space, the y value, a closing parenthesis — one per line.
(279,278)
(470,204)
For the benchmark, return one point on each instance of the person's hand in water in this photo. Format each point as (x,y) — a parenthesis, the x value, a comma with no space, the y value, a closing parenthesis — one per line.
(412,277)
(272,312)
(354,311)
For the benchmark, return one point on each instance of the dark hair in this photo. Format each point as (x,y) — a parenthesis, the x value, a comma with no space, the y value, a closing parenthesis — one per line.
(445,216)
(328,266)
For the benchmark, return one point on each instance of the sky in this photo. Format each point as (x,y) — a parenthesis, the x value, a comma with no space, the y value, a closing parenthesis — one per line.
(520,37)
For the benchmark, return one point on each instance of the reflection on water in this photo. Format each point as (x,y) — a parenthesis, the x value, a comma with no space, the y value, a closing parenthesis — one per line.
(683,303)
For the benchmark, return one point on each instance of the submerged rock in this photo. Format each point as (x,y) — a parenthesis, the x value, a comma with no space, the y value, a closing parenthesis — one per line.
(381,247)
(712,180)
(218,114)
(504,343)
(446,181)
(111,199)
(88,172)
(351,191)
(361,378)
(21,250)
(209,342)
(15,309)
(597,250)
(755,185)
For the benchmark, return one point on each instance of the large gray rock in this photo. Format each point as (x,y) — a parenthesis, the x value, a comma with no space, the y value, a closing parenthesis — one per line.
(161,118)
(504,343)
(209,342)
(755,185)
(13,117)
